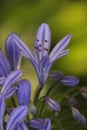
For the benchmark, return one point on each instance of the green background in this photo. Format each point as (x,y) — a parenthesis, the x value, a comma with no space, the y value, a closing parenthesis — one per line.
(63,16)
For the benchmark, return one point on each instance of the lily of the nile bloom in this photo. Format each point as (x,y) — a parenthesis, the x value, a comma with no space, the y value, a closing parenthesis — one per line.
(11,62)
(24,92)
(78,116)
(21,126)
(8,91)
(17,117)
(54,105)
(67,80)
(41,124)
(42,60)
(2,111)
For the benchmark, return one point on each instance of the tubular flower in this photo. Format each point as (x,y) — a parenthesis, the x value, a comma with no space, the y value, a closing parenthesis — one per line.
(41,60)
(54,105)
(78,116)
(24,92)
(41,124)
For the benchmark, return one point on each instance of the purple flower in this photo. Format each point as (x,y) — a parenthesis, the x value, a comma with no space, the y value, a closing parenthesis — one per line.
(21,126)
(24,92)
(12,52)
(8,89)
(2,111)
(67,80)
(78,116)
(41,124)
(16,117)
(11,62)
(54,105)
(41,61)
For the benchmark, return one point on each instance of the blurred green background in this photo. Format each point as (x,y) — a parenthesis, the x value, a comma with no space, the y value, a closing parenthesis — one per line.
(63,16)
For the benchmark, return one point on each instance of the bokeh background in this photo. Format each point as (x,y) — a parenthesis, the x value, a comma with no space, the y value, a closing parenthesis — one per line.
(63,16)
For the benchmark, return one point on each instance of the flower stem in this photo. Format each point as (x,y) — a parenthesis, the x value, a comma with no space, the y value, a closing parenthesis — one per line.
(37,95)
(13,101)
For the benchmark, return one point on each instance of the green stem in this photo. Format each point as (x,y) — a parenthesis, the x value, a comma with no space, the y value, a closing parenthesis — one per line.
(13,101)
(37,94)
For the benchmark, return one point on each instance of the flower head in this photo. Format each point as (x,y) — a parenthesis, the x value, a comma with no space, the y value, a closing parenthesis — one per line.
(41,60)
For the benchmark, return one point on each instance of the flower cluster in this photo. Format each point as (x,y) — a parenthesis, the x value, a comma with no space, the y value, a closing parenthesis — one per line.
(24,114)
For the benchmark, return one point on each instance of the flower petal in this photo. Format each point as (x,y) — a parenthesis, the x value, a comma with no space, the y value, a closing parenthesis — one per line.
(61,54)
(44,63)
(69,81)
(24,92)
(56,75)
(17,116)
(37,123)
(10,92)
(48,124)
(4,65)
(12,78)
(12,51)
(42,42)
(60,47)
(2,111)
(24,50)
(2,80)
(54,105)
(21,126)
(78,116)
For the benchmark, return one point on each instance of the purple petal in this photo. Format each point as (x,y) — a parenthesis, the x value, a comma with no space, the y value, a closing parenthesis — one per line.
(78,116)
(32,109)
(12,78)
(10,92)
(42,42)
(56,75)
(2,80)
(43,70)
(48,124)
(37,123)
(17,116)
(12,51)
(24,92)
(70,81)
(54,105)
(61,54)
(24,50)
(4,65)
(57,50)
(21,126)
(2,111)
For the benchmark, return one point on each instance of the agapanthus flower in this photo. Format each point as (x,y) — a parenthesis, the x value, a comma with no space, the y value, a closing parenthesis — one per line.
(42,60)
(54,105)
(11,61)
(7,88)
(78,116)
(16,117)
(67,80)
(24,92)
(41,124)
